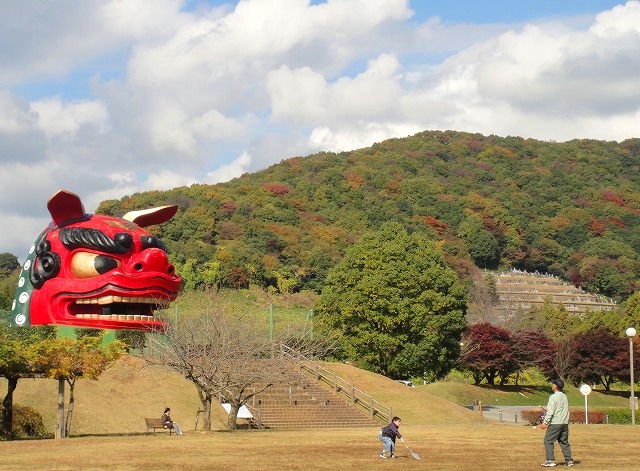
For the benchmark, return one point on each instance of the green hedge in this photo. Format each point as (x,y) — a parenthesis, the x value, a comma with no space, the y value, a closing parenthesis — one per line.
(620,416)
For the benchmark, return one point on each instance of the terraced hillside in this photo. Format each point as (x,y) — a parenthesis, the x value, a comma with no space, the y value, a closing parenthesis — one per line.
(518,291)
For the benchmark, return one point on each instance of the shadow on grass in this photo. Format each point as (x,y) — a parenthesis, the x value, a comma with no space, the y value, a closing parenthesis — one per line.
(129,434)
(541,389)
(159,434)
(624,394)
(511,388)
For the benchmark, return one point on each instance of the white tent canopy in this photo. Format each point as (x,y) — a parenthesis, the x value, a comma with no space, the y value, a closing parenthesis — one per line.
(243,412)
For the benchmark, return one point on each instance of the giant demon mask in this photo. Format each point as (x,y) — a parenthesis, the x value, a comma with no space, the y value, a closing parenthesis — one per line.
(89,270)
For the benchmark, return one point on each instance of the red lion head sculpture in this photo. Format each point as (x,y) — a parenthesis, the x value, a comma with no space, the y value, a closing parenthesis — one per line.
(89,270)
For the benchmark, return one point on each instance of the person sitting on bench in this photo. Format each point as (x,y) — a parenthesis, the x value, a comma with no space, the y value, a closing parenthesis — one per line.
(168,423)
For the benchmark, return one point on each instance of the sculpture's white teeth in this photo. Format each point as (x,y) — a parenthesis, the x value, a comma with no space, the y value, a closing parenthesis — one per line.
(121,308)
(117,317)
(104,300)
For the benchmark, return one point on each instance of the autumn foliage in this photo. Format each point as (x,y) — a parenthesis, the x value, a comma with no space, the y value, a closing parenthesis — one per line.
(489,200)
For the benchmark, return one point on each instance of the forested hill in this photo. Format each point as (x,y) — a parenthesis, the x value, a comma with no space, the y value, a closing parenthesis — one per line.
(571,209)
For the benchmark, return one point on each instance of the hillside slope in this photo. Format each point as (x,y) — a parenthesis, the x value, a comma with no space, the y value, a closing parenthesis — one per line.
(415,406)
(120,400)
(130,391)
(571,209)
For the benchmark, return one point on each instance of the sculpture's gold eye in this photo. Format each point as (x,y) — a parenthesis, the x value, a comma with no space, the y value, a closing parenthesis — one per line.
(90,265)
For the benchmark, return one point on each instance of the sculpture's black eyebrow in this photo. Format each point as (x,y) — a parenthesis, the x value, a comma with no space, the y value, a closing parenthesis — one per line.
(78,237)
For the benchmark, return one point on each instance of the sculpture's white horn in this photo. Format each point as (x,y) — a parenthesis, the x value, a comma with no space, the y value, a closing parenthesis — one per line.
(149,217)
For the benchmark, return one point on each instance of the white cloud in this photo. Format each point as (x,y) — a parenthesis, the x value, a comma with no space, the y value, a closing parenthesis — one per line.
(15,115)
(49,39)
(550,82)
(58,119)
(24,231)
(166,180)
(107,98)
(229,171)
(357,136)
(298,96)
(619,21)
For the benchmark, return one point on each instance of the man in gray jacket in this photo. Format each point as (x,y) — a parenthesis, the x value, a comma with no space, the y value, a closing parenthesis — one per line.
(556,423)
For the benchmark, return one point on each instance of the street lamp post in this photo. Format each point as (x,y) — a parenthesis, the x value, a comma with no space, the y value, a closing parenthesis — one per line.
(631,333)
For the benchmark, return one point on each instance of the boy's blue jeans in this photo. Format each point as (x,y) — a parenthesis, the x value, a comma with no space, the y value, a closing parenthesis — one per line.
(388,444)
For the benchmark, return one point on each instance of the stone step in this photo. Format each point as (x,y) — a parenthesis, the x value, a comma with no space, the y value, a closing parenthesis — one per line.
(307,404)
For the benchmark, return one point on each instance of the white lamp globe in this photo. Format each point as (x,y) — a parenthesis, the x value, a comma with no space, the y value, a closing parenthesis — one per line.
(631,332)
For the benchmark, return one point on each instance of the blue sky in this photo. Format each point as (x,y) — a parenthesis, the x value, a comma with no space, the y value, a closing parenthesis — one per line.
(107,98)
(506,11)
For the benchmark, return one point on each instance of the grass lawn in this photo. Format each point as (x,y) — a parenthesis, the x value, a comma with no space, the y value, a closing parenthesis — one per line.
(443,447)
(108,430)
(464,394)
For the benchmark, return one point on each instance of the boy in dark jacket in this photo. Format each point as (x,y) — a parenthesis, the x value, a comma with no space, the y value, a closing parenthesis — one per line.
(388,436)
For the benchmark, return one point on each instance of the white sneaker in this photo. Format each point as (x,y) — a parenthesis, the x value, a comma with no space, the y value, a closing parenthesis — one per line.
(382,455)
(548,464)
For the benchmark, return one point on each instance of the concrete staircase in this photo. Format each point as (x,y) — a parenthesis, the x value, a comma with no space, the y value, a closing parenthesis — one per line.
(313,397)
(307,406)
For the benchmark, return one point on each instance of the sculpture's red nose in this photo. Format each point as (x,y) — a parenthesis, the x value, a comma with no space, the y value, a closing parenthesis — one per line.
(151,260)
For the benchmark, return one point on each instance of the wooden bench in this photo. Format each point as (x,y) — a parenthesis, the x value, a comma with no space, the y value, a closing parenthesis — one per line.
(153,424)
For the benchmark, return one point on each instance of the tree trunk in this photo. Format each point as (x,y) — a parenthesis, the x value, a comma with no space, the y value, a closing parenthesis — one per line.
(60,423)
(7,409)
(67,426)
(207,412)
(490,377)
(233,416)
(205,399)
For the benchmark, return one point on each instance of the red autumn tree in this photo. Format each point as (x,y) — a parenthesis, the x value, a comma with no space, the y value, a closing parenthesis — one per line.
(601,356)
(533,349)
(488,353)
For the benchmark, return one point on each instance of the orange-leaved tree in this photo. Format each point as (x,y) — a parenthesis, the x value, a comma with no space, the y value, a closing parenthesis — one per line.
(67,360)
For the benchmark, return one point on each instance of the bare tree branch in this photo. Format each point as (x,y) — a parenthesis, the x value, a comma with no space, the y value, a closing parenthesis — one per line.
(225,355)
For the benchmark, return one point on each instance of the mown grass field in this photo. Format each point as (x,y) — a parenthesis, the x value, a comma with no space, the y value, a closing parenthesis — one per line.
(109,433)
(441,447)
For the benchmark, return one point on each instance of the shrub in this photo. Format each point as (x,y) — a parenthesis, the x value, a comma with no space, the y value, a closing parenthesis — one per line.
(132,339)
(595,417)
(534,416)
(27,423)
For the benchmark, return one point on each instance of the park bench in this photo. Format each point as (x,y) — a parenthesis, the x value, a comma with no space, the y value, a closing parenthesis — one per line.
(153,424)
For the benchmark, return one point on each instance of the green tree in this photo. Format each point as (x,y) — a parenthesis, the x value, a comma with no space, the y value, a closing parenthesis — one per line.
(18,348)
(631,312)
(399,307)
(600,319)
(555,321)
(8,263)
(482,245)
